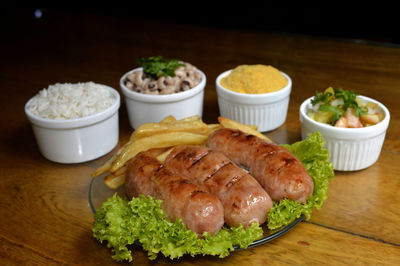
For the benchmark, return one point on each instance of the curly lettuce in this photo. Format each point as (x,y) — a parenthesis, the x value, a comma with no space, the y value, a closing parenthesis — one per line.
(315,157)
(122,223)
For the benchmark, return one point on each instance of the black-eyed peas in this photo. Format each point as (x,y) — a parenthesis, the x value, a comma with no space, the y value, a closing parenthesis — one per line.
(186,77)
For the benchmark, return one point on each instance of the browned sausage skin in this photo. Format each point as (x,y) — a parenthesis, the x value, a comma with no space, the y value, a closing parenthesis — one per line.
(199,210)
(280,173)
(243,198)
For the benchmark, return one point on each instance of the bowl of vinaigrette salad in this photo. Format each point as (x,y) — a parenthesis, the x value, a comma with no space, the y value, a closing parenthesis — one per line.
(353,126)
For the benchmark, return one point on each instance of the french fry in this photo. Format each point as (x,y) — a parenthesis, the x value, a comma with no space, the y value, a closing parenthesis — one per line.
(228,123)
(161,140)
(255,127)
(212,128)
(105,167)
(117,179)
(161,157)
(168,119)
(114,181)
(192,124)
(157,151)
(191,118)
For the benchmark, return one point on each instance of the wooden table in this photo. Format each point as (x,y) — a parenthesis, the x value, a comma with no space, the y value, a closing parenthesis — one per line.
(45,214)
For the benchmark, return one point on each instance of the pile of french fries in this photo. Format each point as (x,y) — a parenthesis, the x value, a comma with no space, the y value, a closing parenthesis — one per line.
(160,138)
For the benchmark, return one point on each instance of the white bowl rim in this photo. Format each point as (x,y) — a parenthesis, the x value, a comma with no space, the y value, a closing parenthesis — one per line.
(348,132)
(161,98)
(75,122)
(282,92)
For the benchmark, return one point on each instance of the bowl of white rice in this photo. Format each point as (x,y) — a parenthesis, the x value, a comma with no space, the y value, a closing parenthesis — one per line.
(74,122)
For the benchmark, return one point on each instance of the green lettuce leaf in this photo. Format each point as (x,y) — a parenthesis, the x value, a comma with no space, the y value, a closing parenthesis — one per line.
(315,157)
(111,224)
(121,223)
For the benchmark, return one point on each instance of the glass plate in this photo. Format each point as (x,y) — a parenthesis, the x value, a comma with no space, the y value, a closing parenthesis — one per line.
(99,192)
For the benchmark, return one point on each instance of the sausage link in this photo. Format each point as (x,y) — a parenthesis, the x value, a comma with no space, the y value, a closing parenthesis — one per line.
(199,210)
(243,198)
(280,173)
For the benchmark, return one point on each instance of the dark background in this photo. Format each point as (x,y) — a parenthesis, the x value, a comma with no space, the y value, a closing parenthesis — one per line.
(375,22)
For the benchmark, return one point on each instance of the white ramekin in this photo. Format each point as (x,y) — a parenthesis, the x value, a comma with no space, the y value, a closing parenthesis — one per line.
(267,110)
(350,149)
(77,140)
(144,108)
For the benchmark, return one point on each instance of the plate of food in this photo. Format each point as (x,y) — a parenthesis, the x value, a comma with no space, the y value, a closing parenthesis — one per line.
(186,187)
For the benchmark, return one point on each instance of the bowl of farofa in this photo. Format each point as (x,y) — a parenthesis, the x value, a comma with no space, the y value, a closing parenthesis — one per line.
(74,123)
(150,96)
(254,95)
(354,144)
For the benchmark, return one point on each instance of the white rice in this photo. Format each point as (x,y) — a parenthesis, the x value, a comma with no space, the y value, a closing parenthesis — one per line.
(69,101)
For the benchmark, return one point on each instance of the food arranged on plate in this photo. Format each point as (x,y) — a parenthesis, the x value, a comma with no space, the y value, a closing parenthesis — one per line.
(188,192)
(161,75)
(342,108)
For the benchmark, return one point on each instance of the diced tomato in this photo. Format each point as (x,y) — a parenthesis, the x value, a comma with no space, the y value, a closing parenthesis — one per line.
(371,119)
(352,120)
(342,122)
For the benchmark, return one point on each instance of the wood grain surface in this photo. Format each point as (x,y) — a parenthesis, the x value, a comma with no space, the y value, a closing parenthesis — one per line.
(45,215)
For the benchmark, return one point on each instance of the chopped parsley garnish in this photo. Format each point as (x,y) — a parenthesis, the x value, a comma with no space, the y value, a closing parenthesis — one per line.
(322,97)
(158,66)
(345,98)
(349,98)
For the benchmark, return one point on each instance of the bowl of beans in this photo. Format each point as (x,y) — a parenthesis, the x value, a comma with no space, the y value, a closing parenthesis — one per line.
(74,122)
(152,94)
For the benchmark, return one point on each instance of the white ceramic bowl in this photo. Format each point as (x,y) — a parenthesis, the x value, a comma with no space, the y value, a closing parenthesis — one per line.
(77,140)
(350,148)
(267,110)
(145,108)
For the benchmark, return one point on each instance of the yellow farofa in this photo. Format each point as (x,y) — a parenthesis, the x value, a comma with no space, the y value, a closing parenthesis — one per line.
(254,79)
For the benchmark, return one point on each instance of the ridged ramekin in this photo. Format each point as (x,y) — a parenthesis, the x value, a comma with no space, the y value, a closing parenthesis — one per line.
(350,149)
(266,110)
(145,108)
(77,140)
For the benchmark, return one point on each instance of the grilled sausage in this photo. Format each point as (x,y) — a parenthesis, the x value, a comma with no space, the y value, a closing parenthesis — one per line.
(243,198)
(199,210)
(280,173)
